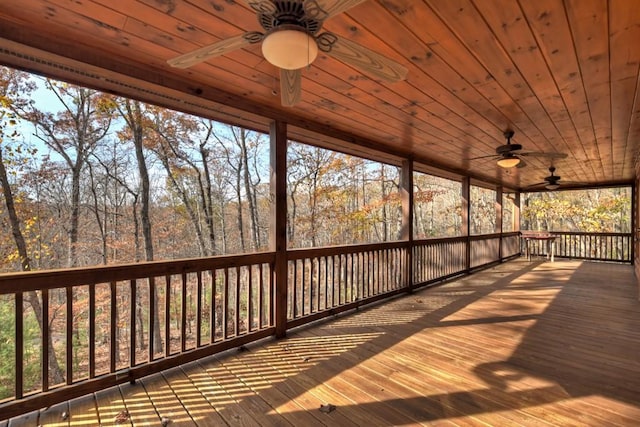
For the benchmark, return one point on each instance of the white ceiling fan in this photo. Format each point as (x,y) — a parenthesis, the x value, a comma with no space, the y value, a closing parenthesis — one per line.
(291,41)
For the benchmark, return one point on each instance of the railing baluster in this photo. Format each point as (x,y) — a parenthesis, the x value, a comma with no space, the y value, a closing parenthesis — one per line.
(167,315)
(19,340)
(212,314)
(318,279)
(272,296)
(341,284)
(317,273)
(374,271)
(250,315)
(371,273)
(45,340)
(362,274)
(295,289)
(237,303)
(225,305)
(354,289)
(311,286)
(261,297)
(151,283)
(611,254)
(113,327)
(335,285)
(133,288)
(389,267)
(183,312)
(326,281)
(92,330)
(306,305)
(199,310)
(370,290)
(69,335)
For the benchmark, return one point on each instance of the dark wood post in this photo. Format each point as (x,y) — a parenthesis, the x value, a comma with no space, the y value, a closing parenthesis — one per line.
(466,220)
(406,232)
(278,228)
(516,212)
(516,216)
(499,219)
(634,225)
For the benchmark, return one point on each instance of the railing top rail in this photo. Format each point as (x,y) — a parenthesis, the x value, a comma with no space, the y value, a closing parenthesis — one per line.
(304,253)
(486,236)
(576,233)
(434,240)
(52,279)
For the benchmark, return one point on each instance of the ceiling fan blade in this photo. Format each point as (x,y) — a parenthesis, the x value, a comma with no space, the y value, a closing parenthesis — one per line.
(334,7)
(521,164)
(261,6)
(541,154)
(495,156)
(215,49)
(290,87)
(537,184)
(367,60)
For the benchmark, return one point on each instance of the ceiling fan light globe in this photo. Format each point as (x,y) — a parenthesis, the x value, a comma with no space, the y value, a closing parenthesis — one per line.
(289,49)
(552,186)
(509,162)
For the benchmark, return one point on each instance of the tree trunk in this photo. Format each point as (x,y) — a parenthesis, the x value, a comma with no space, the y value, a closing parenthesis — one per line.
(207,200)
(383,193)
(31,297)
(250,191)
(134,119)
(187,203)
(75,214)
(239,210)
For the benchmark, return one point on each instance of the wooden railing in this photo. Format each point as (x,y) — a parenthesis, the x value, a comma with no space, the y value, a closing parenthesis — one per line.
(119,323)
(437,259)
(108,325)
(324,281)
(588,246)
(510,245)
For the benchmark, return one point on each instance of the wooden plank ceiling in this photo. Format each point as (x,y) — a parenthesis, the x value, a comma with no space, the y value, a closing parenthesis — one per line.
(564,75)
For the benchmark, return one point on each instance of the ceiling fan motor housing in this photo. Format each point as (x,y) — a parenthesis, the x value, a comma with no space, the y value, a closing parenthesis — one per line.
(503,150)
(508,148)
(307,16)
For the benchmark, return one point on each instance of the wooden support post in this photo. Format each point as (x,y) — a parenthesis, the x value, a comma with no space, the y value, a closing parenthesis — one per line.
(466,220)
(499,219)
(634,224)
(278,228)
(406,232)
(516,212)
(516,216)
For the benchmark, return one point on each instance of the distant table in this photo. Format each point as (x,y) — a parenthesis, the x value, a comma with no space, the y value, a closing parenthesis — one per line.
(549,238)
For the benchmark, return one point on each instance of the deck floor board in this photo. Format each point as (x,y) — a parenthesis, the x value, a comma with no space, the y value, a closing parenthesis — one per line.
(521,344)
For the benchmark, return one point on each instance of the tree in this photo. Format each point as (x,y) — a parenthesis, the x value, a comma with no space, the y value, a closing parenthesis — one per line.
(73,133)
(13,83)
(240,148)
(137,130)
(596,210)
(183,147)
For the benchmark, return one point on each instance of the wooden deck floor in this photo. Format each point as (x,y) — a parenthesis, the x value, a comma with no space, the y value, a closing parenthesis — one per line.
(521,344)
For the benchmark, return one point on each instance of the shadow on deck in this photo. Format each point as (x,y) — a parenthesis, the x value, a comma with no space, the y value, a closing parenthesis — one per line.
(522,343)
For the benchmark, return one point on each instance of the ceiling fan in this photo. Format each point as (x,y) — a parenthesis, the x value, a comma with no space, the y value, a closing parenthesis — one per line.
(291,41)
(510,155)
(551,182)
